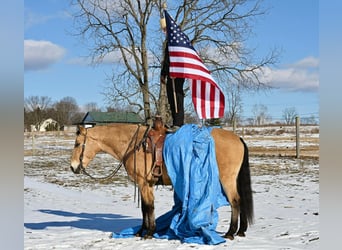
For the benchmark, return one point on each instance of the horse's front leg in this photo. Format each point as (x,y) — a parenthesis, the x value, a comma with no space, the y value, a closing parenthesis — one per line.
(143,225)
(147,208)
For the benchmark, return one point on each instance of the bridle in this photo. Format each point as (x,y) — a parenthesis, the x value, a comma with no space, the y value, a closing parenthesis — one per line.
(114,171)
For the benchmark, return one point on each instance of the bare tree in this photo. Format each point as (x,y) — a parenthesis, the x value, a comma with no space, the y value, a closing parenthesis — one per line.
(234,104)
(36,110)
(91,106)
(260,113)
(32,103)
(67,111)
(309,120)
(289,115)
(118,31)
(127,34)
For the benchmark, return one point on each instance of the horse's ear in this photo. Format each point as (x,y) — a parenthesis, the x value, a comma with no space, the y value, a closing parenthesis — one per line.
(81,130)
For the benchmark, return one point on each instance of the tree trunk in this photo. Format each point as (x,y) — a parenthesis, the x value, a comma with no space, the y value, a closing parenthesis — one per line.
(164,109)
(147,106)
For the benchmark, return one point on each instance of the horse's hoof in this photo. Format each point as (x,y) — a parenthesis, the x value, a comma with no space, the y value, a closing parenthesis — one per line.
(241,234)
(229,236)
(147,237)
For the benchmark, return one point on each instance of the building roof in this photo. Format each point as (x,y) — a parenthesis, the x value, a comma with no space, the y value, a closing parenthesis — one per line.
(99,118)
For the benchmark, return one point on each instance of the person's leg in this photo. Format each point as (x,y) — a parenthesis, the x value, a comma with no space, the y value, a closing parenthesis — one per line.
(178,93)
(170,97)
(178,118)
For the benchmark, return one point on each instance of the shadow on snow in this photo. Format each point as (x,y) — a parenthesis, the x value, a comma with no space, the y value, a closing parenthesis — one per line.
(101,222)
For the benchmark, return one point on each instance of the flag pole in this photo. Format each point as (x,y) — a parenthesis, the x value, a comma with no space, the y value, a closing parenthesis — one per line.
(163,27)
(174,93)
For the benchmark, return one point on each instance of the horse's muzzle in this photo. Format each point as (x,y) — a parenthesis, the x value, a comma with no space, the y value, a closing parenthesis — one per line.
(77,170)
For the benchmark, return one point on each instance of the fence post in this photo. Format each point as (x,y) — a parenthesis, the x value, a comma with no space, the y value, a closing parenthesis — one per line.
(234,125)
(297,137)
(33,145)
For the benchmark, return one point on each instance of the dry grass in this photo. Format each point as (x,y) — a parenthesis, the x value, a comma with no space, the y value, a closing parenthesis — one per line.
(280,141)
(305,152)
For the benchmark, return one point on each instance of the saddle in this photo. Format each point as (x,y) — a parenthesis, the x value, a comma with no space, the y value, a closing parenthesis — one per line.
(154,144)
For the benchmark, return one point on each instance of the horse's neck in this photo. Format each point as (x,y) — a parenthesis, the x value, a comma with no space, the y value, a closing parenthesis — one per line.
(117,138)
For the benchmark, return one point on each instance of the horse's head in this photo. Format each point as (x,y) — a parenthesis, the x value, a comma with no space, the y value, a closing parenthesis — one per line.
(84,150)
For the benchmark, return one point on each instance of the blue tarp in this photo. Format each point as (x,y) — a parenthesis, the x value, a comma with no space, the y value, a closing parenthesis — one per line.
(189,155)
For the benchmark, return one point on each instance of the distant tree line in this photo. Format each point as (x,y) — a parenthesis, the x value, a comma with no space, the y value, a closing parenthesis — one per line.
(39,108)
(261,116)
(67,112)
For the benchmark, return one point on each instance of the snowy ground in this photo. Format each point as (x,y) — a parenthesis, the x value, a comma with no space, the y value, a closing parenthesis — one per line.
(66,211)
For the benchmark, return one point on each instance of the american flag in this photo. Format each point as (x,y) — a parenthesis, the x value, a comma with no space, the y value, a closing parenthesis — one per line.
(207,97)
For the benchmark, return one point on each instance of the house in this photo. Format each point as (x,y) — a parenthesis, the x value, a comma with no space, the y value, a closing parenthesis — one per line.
(102,118)
(69,128)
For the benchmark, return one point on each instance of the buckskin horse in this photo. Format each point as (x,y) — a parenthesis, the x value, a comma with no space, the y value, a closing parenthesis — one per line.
(133,144)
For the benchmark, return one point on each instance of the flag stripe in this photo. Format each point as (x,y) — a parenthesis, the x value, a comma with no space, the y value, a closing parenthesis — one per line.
(184,54)
(212,97)
(208,100)
(190,73)
(188,65)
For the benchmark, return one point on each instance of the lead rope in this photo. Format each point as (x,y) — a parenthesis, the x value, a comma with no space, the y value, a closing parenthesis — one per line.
(135,166)
(135,170)
(89,175)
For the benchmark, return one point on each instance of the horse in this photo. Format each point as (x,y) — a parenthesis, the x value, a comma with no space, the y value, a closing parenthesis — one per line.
(128,143)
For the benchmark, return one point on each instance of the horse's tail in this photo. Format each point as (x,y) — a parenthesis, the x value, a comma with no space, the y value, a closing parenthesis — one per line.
(245,188)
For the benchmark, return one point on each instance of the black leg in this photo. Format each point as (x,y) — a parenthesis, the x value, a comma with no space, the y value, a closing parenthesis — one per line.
(243,225)
(233,222)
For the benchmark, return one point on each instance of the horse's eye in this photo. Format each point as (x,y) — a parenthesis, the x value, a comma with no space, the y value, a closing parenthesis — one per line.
(77,144)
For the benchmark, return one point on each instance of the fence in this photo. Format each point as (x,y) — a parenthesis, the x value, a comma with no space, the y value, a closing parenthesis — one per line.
(295,140)
(281,140)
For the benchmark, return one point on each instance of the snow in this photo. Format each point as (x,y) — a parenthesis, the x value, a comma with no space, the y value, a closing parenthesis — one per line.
(67,211)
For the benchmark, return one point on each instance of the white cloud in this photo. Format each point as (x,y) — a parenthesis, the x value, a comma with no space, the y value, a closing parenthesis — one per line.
(40,55)
(308,62)
(32,18)
(299,76)
(110,58)
(113,57)
(83,61)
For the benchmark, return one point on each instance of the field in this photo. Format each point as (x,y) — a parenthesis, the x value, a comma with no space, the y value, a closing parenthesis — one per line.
(67,211)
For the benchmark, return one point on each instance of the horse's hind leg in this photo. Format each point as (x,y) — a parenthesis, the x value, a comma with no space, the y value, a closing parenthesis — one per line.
(243,225)
(234,200)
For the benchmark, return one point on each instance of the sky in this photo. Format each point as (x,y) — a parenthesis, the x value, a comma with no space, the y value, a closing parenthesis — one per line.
(54,65)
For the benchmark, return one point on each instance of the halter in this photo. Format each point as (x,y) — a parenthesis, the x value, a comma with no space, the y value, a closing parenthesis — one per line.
(136,146)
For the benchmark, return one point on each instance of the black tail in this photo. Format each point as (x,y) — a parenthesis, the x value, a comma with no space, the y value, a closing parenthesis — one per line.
(245,188)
